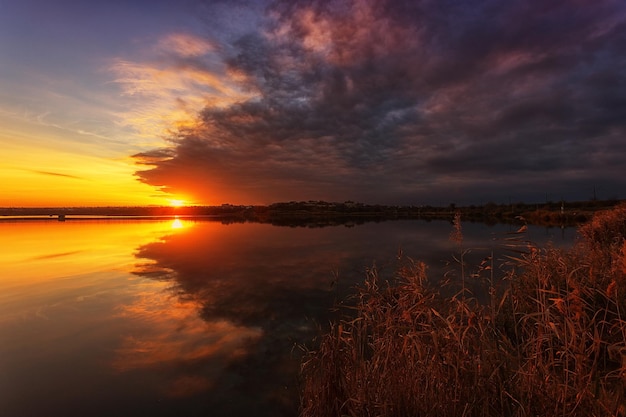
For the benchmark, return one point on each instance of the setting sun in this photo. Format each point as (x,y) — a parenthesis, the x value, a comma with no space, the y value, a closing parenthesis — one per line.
(177,203)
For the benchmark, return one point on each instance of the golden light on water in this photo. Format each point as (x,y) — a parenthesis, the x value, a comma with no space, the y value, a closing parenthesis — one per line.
(32,260)
(177,224)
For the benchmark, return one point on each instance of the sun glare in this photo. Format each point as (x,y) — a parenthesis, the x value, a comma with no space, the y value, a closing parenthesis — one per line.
(177,203)
(177,224)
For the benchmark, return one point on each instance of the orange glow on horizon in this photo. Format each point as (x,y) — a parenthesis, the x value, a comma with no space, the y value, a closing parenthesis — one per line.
(52,160)
(177,202)
(39,169)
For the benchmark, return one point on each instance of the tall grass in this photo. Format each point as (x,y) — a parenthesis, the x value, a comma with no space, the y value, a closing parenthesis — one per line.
(551,342)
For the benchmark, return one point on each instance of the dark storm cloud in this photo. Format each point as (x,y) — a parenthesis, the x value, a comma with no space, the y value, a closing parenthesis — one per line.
(390,102)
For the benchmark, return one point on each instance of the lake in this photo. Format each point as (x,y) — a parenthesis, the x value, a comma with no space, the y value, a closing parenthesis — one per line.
(188,318)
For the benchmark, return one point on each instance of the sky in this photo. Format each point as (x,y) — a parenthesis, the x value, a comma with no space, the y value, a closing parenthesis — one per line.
(253,102)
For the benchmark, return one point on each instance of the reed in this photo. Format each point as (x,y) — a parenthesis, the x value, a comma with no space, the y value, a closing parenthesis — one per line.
(551,342)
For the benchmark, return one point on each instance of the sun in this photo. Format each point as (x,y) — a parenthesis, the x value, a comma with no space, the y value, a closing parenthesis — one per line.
(177,203)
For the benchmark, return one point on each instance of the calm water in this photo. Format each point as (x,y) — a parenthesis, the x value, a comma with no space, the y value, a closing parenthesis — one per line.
(173,318)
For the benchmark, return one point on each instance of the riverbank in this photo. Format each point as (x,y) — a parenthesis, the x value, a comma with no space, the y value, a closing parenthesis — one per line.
(320,213)
(548,340)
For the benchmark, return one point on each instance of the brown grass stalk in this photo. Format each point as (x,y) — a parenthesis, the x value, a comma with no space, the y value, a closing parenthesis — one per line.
(553,344)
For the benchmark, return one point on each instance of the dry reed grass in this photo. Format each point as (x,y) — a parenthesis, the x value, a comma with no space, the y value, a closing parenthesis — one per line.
(552,343)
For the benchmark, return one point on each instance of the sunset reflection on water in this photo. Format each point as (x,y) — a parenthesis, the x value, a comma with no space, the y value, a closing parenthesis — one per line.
(179,317)
(72,310)
(140,313)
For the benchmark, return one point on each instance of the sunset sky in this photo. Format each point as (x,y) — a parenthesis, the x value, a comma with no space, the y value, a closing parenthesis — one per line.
(252,102)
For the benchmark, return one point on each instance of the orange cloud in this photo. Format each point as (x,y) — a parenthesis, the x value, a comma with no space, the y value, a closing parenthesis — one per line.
(167,92)
(184,45)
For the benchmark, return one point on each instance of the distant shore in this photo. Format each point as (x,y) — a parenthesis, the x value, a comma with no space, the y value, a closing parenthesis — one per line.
(321,213)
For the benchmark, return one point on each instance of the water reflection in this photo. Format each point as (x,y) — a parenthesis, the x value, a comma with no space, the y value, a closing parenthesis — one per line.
(59,286)
(176,341)
(274,284)
(259,290)
(177,223)
(180,317)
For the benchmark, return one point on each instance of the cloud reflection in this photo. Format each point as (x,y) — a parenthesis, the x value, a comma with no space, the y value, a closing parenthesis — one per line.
(239,297)
(174,339)
(231,302)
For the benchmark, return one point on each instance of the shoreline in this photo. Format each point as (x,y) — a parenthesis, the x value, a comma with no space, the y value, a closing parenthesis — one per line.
(319,213)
